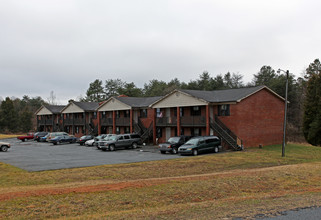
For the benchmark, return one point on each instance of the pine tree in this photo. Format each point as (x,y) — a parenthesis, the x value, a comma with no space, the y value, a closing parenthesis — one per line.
(312,108)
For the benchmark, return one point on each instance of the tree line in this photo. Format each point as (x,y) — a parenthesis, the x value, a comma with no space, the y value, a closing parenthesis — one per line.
(304,96)
(17,115)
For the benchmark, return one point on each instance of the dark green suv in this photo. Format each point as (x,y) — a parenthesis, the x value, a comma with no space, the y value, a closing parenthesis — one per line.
(202,144)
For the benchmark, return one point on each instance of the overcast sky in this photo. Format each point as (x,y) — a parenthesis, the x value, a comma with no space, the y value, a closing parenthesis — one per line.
(63,45)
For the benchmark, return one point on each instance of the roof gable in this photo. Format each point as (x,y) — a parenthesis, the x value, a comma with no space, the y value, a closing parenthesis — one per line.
(113,104)
(49,109)
(72,108)
(178,98)
(43,111)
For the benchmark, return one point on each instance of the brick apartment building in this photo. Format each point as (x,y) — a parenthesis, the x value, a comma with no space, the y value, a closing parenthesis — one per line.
(245,116)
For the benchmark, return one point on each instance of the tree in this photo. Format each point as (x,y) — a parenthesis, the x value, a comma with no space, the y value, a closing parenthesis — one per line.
(25,120)
(312,107)
(233,81)
(8,116)
(265,76)
(113,86)
(52,98)
(155,88)
(95,92)
(130,89)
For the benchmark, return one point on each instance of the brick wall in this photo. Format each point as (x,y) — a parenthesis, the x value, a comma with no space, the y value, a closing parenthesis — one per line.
(257,119)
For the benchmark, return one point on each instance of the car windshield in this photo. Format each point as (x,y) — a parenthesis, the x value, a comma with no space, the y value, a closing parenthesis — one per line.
(192,141)
(173,140)
(112,138)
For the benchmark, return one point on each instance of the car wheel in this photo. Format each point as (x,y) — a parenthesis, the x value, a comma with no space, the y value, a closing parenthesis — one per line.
(163,152)
(174,151)
(134,145)
(215,149)
(4,148)
(111,147)
(195,152)
(23,140)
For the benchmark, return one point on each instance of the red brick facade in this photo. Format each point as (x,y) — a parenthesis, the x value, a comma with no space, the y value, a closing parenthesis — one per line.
(258,119)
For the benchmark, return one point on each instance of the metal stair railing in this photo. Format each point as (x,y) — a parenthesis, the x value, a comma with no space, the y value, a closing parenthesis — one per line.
(226,134)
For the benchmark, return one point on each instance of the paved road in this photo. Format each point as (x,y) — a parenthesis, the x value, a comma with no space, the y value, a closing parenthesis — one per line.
(35,156)
(313,213)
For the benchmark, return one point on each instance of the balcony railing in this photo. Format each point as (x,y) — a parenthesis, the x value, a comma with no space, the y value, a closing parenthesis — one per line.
(79,121)
(193,121)
(166,121)
(45,122)
(122,121)
(107,122)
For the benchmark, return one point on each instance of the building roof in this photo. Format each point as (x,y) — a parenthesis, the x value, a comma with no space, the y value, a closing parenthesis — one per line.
(138,102)
(226,95)
(87,106)
(220,96)
(55,109)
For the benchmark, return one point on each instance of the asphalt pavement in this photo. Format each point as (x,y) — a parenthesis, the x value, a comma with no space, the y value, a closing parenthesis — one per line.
(37,156)
(310,213)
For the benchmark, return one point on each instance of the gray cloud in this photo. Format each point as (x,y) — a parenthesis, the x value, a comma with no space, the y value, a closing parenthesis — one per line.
(62,46)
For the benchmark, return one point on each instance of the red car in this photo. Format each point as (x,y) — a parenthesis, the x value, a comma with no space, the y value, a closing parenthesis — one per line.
(26,137)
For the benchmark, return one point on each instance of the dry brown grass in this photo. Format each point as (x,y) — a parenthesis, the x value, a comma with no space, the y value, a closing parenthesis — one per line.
(4,136)
(237,184)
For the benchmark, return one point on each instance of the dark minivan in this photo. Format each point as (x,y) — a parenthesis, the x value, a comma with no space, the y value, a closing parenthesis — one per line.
(202,144)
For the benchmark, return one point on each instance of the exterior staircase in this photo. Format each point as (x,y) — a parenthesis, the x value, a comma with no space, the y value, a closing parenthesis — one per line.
(145,133)
(226,134)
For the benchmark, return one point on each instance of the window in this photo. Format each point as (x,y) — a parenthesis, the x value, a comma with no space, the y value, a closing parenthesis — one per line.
(143,113)
(127,130)
(94,114)
(181,112)
(126,137)
(223,110)
(104,115)
(195,110)
(117,130)
(159,113)
(126,114)
(77,129)
(117,114)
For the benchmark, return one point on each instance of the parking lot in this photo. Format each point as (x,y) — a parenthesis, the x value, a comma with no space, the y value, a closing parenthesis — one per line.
(35,156)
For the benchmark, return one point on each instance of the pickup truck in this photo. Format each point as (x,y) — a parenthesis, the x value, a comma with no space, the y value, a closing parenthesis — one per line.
(29,136)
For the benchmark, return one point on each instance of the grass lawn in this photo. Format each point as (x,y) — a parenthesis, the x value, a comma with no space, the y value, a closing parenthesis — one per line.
(3,136)
(225,185)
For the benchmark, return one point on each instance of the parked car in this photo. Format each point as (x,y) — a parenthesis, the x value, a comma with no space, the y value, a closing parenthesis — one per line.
(44,138)
(120,141)
(4,146)
(90,142)
(105,138)
(55,134)
(85,138)
(39,135)
(63,139)
(172,144)
(202,144)
(29,136)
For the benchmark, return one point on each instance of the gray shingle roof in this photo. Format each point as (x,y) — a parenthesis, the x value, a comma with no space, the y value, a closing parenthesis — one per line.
(55,109)
(226,95)
(138,102)
(87,106)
